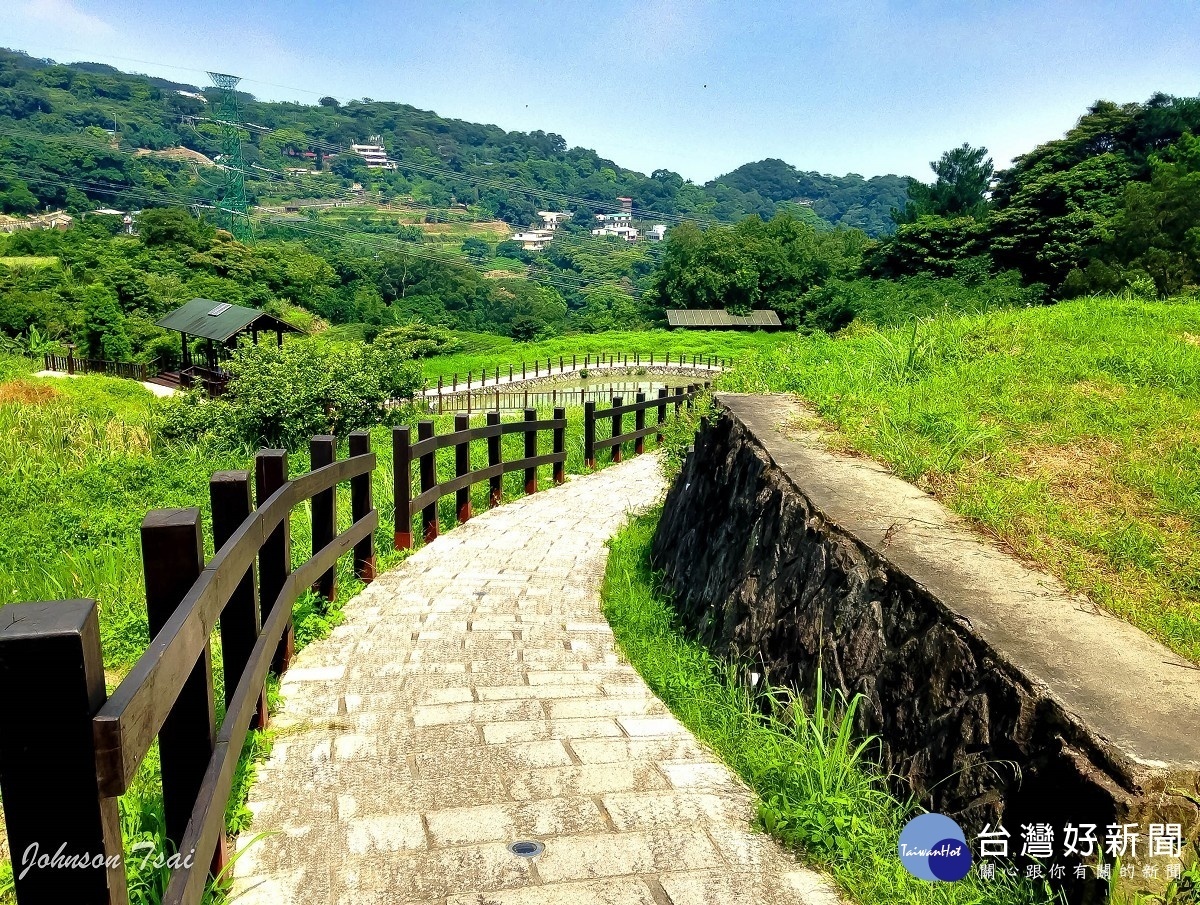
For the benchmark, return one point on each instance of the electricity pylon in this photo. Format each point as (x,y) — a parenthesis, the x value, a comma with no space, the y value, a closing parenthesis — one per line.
(233,208)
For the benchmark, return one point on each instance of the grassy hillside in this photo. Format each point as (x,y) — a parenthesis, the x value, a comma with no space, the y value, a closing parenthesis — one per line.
(1069,433)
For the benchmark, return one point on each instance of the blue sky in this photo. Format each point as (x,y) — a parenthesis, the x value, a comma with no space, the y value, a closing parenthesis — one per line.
(865,86)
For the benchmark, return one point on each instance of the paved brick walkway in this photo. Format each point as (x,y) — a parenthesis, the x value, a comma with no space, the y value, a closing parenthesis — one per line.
(472,698)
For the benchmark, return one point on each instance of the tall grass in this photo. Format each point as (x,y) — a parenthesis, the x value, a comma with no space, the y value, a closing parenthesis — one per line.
(817,787)
(1069,432)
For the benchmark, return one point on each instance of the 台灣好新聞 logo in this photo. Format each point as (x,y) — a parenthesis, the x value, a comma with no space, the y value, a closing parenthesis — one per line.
(933,847)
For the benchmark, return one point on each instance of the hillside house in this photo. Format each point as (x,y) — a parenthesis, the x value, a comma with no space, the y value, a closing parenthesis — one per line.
(534,239)
(621,218)
(657,232)
(628,233)
(375,156)
(551,219)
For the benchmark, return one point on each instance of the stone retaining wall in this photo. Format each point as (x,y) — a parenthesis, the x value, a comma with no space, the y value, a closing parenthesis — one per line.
(996,696)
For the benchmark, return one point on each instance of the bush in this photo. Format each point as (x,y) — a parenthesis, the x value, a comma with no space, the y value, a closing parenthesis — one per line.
(418,340)
(282,396)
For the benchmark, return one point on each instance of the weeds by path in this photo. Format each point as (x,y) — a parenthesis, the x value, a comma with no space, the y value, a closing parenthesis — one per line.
(817,789)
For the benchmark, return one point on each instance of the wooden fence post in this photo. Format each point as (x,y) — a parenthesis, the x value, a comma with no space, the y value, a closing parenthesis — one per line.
(496,482)
(454,386)
(52,671)
(639,422)
(402,486)
(560,446)
(617,419)
(360,506)
(678,401)
(429,515)
(241,621)
(275,555)
(323,451)
(589,433)
(522,369)
(662,412)
(691,396)
(531,438)
(172,560)
(462,466)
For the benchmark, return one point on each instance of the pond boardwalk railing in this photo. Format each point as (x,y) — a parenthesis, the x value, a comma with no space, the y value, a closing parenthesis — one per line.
(67,750)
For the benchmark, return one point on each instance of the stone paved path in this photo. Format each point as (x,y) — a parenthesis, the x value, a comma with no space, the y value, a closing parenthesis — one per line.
(472,698)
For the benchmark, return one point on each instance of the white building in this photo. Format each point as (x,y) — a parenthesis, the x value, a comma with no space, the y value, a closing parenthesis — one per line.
(194,95)
(375,156)
(657,232)
(551,219)
(621,218)
(628,233)
(534,240)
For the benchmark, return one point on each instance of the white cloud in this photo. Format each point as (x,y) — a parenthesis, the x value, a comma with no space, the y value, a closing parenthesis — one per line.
(63,16)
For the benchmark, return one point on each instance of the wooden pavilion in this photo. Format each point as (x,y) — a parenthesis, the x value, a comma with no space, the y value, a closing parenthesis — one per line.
(219,324)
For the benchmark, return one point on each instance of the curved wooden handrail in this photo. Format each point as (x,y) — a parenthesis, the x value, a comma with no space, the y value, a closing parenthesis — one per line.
(126,726)
(454,438)
(187,884)
(435,493)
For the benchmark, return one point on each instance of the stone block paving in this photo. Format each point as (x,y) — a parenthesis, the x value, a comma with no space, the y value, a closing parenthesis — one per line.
(474,697)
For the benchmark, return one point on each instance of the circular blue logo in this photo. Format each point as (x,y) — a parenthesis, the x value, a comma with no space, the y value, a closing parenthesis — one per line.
(933,847)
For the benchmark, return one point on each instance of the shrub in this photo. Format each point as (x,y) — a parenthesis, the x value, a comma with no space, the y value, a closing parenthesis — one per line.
(283,396)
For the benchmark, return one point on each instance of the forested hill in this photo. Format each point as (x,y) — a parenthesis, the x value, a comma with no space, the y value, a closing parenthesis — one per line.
(69,135)
(850,201)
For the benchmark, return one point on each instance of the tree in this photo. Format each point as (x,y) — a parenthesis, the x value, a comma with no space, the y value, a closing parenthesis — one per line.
(476,249)
(964,175)
(104,325)
(171,225)
(329,102)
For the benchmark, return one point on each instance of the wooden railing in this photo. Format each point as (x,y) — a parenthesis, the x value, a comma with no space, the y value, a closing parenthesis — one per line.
(69,364)
(66,753)
(616,441)
(424,453)
(516,400)
(563,366)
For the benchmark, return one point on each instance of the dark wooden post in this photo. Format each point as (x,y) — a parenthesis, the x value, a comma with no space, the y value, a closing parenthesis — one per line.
(360,507)
(560,364)
(537,367)
(275,555)
(617,419)
(662,411)
(589,433)
(522,369)
(172,560)
(496,482)
(530,451)
(240,620)
(462,466)
(323,451)
(691,396)
(70,362)
(560,446)
(678,401)
(52,671)
(510,373)
(454,386)
(429,515)
(402,486)
(639,422)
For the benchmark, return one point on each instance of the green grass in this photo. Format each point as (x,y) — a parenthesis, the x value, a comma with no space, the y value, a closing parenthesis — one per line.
(1069,433)
(30,261)
(816,785)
